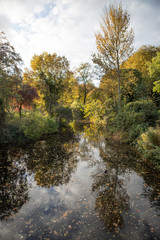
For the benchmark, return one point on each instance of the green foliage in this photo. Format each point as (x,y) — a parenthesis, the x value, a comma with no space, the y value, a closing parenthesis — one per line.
(154,70)
(50,126)
(10,76)
(149,145)
(77,110)
(145,107)
(11,133)
(140,59)
(134,119)
(130,124)
(32,126)
(63,114)
(35,124)
(84,77)
(133,85)
(94,111)
(48,74)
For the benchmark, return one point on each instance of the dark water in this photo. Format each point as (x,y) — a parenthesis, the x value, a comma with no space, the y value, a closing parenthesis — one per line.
(58,189)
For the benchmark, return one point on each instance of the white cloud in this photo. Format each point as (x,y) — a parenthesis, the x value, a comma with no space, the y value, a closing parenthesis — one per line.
(19,11)
(67,27)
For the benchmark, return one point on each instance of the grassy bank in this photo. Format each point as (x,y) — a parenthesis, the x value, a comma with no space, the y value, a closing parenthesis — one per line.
(32,126)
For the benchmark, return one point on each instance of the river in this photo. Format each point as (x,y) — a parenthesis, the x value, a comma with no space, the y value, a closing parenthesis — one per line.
(77,185)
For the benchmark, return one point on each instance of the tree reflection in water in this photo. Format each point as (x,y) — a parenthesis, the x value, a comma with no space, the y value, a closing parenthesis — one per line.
(151,190)
(51,160)
(112,196)
(111,199)
(123,160)
(13,183)
(77,199)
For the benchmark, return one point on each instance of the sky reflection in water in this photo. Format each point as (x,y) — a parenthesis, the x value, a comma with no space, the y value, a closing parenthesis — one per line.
(57,189)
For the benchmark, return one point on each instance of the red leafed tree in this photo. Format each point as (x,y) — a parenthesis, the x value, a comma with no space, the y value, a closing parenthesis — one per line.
(27,95)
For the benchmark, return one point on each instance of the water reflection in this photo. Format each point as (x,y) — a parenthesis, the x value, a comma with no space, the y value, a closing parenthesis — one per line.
(120,156)
(51,160)
(154,197)
(13,183)
(111,200)
(57,188)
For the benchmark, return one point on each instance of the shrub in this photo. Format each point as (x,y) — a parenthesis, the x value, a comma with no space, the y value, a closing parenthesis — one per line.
(11,133)
(149,145)
(33,125)
(50,126)
(130,124)
(134,119)
(145,107)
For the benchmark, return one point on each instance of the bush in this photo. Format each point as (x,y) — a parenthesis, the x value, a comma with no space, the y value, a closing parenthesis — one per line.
(145,107)
(130,124)
(134,119)
(149,145)
(11,133)
(50,126)
(36,124)
(32,126)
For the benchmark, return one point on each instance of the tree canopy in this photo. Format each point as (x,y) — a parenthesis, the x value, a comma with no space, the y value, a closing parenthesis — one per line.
(115,41)
(10,75)
(154,70)
(84,77)
(48,74)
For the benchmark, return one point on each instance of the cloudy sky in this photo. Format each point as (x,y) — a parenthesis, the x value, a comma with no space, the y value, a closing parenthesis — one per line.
(68,27)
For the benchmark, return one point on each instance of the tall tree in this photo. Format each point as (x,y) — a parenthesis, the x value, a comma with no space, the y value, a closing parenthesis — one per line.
(70,91)
(27,94)
(84,77)
(154,70)
(48,74)
(114,42)
(10,75)
(140,60)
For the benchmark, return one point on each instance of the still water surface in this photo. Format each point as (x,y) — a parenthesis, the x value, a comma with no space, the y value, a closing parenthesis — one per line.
(57,188)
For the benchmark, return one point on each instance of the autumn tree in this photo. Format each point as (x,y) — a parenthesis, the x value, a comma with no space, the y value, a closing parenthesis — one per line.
(48,74)
(70,91)
(10,75)
(84,77)
(154,70)
(27,94)
(141,60)
(114,41)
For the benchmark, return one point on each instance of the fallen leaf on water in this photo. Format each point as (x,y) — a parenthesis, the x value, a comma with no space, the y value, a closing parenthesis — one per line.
(55,233)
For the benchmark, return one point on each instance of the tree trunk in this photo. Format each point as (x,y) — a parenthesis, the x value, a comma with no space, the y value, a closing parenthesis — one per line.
(50,104)
(119,83)
(2,114)
(85,93)
(20,111)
